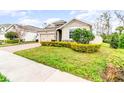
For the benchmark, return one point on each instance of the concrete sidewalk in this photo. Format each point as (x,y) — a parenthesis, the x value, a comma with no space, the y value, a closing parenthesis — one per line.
(19,69)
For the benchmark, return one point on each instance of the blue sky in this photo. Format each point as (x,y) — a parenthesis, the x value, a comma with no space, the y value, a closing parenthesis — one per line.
(34,17)
(38,17)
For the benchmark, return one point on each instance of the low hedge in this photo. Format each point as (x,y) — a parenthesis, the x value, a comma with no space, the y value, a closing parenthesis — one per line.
(88,48)
(11,41)
(57,44)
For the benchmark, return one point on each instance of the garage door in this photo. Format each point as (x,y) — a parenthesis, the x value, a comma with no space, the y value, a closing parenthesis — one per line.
(47,37)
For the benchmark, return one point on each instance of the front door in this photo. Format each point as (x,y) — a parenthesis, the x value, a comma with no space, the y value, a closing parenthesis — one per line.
(59,35)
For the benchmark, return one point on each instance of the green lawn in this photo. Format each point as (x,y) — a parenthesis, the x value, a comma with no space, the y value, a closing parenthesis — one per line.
(86,65)
(3,78)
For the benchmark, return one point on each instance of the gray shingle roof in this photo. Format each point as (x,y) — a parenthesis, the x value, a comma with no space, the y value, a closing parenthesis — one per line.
(28,28)
(55,24)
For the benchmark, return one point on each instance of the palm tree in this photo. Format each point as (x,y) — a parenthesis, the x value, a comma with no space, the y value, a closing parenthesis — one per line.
(120,29)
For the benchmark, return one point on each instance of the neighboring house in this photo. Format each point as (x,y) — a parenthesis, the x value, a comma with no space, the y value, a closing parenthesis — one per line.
(62,30)
(26,32)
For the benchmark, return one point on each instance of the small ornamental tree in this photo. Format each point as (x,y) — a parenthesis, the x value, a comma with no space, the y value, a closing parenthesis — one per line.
(121,41)
(82,35)
(120,29)
(11,35)
(114,40)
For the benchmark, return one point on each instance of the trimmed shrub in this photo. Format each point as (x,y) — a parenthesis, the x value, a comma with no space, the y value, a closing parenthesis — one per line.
(121,41)
(83,36)
(114,41)
(57,44)
(88,48)
(11,41)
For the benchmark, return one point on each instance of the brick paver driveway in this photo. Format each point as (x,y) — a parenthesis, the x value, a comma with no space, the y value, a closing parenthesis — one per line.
(20,69)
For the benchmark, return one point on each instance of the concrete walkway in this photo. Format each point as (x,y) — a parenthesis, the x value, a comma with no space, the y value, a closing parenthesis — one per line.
(19,69)
(19,47)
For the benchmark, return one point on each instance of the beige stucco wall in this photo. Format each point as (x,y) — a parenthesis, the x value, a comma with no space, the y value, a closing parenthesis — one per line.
(73,24)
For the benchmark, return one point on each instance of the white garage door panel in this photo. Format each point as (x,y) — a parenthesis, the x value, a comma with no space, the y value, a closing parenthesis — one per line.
(47,37)
(30,36)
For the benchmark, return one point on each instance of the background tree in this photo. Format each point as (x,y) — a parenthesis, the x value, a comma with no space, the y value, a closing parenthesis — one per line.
(120,29)
(82,36)
(120,15)
(97,26)
(103,23)
(106,18)
(11,35)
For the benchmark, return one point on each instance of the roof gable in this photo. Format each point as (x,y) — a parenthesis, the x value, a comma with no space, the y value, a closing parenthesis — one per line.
(6,27)
(72,21)
(27,28)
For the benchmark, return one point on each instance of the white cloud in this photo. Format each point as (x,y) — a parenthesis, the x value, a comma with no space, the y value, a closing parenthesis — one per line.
(19,13)
(30,21)
(51,20)
(88,15)
(73,12)
(13,13)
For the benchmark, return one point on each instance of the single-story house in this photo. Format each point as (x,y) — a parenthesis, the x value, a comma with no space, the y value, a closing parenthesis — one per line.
(26,32)
(62,30)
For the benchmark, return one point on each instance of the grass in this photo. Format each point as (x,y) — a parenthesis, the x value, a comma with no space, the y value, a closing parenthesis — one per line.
(3,78)
(86,65)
